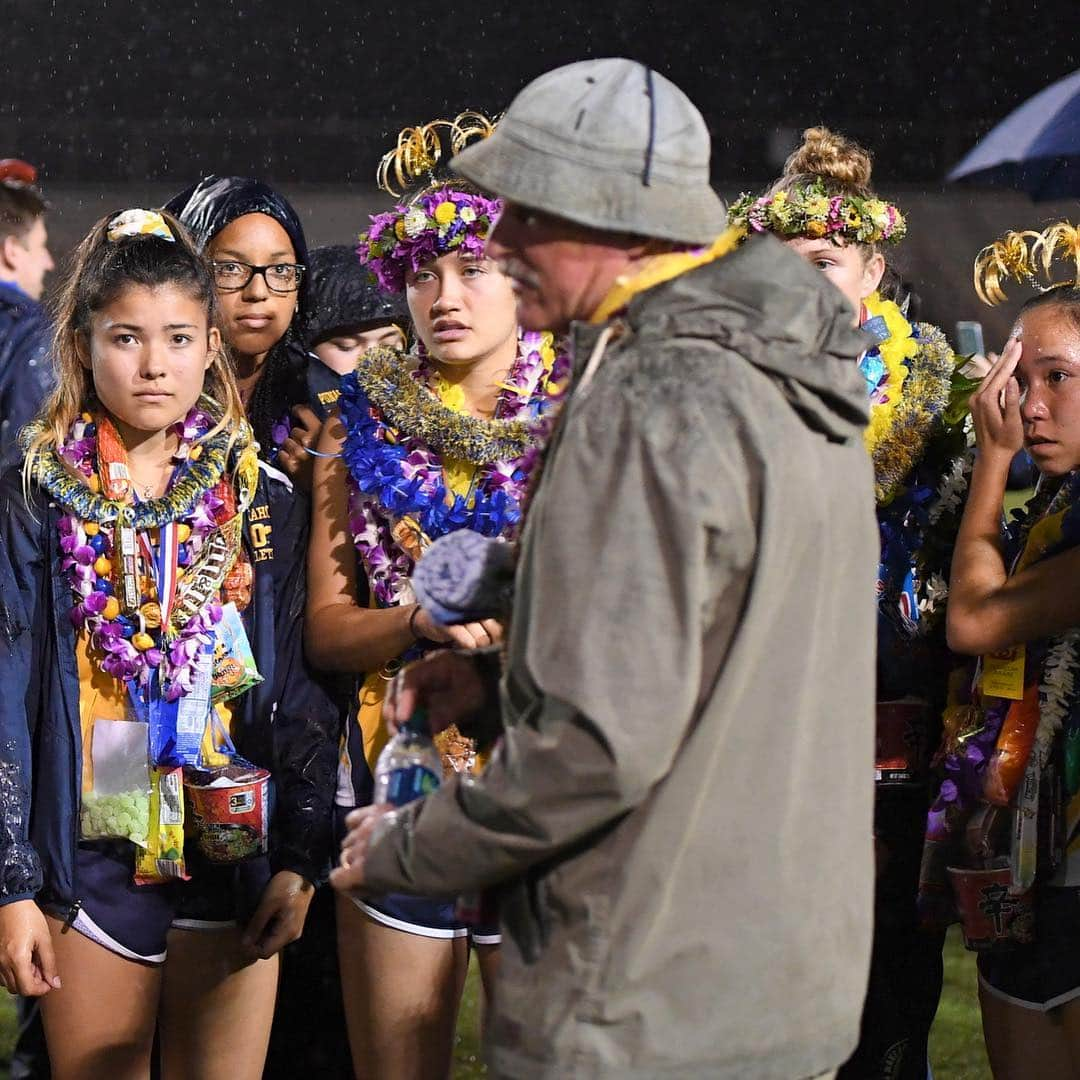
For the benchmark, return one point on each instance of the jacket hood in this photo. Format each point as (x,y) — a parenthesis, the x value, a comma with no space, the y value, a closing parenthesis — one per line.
(781,314)
(207,207)
(343,295)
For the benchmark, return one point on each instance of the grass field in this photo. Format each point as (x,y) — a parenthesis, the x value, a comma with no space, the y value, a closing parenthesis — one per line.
(956,1046)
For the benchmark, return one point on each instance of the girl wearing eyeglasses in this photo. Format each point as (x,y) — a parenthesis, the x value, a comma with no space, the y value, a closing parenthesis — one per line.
(256,246)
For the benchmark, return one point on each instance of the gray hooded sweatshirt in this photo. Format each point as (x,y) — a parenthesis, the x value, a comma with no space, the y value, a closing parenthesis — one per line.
(679,812)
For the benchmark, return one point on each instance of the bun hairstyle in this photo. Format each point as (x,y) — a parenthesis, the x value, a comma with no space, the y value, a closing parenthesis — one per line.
(840,162)
(114,256)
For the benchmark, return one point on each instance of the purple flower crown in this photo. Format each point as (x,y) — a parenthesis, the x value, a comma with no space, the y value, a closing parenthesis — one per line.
(413,234)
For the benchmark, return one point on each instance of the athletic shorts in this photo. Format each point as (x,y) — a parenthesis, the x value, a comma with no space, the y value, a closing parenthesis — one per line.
(1045,974)
(133,921)
(418,914)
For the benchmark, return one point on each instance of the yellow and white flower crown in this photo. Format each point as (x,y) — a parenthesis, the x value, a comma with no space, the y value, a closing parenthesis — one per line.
(809,210)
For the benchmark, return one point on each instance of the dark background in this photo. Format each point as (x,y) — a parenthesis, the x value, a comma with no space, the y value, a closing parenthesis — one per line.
(311,91)
(123,102)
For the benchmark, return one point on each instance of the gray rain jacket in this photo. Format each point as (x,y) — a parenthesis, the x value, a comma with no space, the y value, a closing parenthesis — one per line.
(680,808)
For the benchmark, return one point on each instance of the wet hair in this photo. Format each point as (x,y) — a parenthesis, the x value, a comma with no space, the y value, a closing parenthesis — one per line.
(20,206)
(210,206)
(100,271)
(1065,296)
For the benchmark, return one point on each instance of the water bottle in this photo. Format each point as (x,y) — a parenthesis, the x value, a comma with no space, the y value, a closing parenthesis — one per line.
(409,766)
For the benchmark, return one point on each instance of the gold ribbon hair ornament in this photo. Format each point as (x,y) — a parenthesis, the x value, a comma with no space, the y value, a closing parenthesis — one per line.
(420,149)
(1025,257)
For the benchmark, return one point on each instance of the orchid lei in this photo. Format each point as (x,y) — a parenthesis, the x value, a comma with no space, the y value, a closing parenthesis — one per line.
(395,474)
(132,648)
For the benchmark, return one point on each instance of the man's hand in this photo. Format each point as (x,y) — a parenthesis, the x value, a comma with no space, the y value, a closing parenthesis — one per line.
(348,876)
(446,684)
(279,918)
(293,456)
(27,964)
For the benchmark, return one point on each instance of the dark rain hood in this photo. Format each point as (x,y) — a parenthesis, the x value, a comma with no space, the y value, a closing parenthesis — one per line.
(342,296)
(772,307)
(207,207)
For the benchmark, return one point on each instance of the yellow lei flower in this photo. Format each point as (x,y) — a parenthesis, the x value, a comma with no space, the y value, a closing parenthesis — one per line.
(916,389)
(457,472)
(898,347)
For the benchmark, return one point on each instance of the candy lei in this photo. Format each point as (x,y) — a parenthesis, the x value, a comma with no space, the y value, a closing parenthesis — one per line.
(1050,525)
(134,646)
(398,431)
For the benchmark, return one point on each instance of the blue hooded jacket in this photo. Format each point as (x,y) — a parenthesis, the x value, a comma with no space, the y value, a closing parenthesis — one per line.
(26,376)
(287,724)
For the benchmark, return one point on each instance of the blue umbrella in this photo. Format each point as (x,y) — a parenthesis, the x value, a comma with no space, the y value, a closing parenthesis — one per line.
(1036,148)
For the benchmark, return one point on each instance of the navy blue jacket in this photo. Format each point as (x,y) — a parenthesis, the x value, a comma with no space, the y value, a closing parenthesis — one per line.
(26,376)
(287,723)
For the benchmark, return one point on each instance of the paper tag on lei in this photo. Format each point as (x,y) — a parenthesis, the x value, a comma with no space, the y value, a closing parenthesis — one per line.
(1003,674)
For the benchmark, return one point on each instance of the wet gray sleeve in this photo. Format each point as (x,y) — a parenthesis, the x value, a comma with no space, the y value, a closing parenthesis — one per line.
(642,531)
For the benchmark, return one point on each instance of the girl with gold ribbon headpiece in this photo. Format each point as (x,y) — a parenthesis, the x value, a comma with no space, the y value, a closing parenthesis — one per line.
(825,210)
(440,440)
(144,670)
(1003,835)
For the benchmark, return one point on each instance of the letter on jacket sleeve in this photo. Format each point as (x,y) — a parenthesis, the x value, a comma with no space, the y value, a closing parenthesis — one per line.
(635,562)
(20,587)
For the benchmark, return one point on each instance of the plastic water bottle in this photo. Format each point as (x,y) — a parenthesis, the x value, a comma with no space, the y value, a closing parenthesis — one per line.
(409,766)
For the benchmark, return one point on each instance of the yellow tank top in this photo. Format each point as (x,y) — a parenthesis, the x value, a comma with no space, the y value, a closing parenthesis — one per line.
(101,697)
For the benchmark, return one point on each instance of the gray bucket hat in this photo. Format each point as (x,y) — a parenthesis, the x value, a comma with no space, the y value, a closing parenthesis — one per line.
(606,143)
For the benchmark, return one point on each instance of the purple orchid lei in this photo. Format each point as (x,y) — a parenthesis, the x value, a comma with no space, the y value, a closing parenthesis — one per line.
(533,390)
(130,648)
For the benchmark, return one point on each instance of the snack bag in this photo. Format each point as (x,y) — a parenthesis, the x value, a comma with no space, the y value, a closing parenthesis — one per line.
(234,664)
(118,805)
(163,858)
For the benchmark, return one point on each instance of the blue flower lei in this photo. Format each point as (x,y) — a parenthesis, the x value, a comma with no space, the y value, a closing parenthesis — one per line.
(377,464)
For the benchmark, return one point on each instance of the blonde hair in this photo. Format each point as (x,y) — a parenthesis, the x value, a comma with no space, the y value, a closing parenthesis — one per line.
(99,271)
(837,162)
(841,162)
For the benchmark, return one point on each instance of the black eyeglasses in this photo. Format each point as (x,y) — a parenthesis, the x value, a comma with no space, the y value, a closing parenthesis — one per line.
(230,275)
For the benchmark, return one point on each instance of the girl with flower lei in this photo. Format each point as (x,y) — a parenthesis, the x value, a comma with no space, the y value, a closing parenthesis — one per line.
(127,566)
(1003,831)
(824,209)
(425,444)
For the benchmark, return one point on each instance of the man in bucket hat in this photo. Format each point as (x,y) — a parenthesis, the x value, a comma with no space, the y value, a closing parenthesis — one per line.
(677,814)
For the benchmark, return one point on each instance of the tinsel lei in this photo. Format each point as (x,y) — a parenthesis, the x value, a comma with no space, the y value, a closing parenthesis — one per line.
(915,387)
(402,434)
(918,440)
(213,484)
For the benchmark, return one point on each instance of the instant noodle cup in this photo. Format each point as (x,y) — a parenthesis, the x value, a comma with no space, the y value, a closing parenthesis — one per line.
(992,914)
(902,729)
(229,811)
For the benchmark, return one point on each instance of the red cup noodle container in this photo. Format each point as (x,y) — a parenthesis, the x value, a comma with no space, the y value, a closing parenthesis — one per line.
(901,734)
(991,914)
(229,811)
